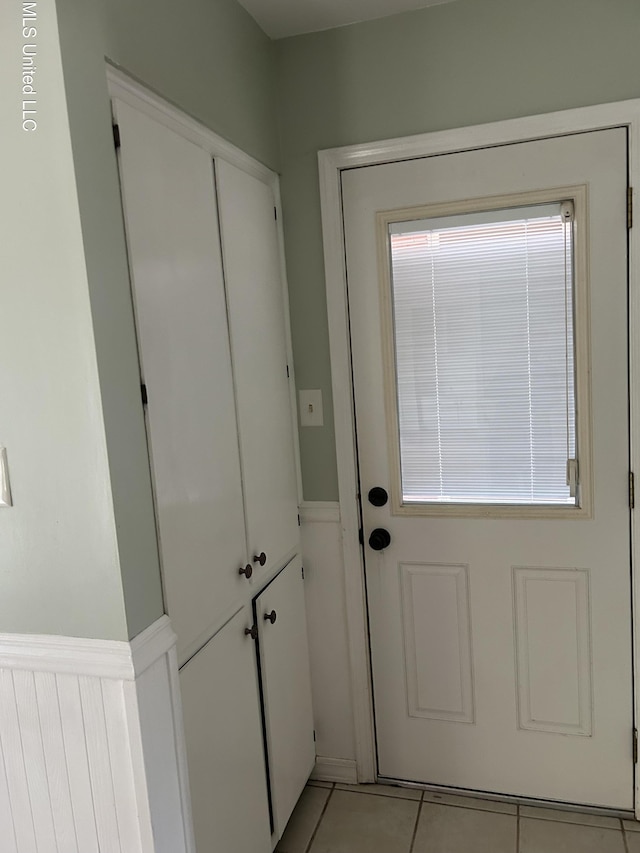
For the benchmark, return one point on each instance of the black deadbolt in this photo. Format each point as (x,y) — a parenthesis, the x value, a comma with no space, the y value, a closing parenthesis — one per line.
(378,496)
(380,539)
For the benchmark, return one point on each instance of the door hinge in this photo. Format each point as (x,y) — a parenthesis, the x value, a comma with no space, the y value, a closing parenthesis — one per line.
(287,371)
(314,735)
(143,394)
(298,519)
(275,213)
(629,207)
(302,571)
(635,746)
(632,491)
(116,135)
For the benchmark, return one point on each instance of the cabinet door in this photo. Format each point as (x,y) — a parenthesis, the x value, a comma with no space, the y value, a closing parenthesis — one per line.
(258,340)
(225,750)
(286,688)
(176,269)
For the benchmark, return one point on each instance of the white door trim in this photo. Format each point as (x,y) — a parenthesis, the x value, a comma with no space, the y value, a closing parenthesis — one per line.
(331,164)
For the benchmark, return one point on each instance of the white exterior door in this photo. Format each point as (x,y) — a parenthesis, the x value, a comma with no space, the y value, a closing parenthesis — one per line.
(492,407)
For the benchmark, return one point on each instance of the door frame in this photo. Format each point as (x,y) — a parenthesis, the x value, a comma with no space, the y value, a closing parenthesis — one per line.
(331,163)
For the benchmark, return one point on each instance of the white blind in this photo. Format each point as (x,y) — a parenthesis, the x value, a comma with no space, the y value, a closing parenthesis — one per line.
(483,323)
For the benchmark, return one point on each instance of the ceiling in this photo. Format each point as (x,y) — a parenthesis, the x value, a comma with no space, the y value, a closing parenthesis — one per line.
(280,18)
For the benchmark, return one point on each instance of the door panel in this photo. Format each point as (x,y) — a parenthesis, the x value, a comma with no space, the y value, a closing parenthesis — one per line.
(225,751)
(501,646)
(258,341)
(178,288)
(284,660)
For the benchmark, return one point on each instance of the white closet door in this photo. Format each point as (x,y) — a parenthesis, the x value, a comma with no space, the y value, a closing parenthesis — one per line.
(176,268)
(225,751)
(286,688)
(258,341)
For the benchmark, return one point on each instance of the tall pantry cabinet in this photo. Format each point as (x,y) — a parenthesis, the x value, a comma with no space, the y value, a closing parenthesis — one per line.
(211,320)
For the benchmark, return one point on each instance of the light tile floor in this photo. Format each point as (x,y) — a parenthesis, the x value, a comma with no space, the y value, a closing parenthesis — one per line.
(382,819)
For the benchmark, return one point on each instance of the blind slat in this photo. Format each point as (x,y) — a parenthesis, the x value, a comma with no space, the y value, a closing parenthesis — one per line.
(483,324)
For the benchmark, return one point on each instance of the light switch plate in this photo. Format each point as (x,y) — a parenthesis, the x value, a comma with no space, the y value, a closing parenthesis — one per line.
(5,491)
(311,408)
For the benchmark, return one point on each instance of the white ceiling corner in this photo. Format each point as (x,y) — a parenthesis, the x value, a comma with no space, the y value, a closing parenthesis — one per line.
(281,18)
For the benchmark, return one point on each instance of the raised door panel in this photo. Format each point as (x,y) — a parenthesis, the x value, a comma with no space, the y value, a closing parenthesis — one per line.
(258,340)
(286,688)
(169,203)
(225,751)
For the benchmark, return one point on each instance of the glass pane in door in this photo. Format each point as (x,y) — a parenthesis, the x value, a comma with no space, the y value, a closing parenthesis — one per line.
(483,328)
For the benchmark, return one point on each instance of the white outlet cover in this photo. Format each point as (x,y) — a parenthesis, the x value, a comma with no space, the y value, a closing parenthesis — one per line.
(311,408)
(5,491)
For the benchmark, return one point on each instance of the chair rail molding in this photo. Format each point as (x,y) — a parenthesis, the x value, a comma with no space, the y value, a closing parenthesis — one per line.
(331,164)
(85,726)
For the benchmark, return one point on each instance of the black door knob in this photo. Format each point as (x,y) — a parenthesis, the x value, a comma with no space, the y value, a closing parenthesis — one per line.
(378,496)
(270,617)
(252,632)
(380,539)
(260,558)
(247,570)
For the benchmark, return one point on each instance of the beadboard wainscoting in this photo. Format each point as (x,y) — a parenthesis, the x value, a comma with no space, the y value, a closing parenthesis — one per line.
(331,681)
(91,745)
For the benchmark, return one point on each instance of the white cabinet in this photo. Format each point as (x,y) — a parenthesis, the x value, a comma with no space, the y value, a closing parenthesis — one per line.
(258,343)
(286,688)
(169,202)
(211,322)
(225,749)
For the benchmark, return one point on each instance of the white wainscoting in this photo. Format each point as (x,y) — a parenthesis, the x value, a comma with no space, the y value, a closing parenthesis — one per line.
(91,745)
(331,682)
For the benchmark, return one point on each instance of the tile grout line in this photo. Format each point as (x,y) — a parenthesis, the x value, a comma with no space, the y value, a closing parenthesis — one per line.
(624,837)
(473,808)
(317,826)
(415,828)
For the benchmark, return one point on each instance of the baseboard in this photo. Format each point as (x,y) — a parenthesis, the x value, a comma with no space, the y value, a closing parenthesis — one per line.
(91,744)
(335,770)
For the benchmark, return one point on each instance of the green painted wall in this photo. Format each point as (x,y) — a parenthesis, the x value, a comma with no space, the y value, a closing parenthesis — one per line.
(217,65)
(464,63)
(207,56)
(59,562)
(78,552)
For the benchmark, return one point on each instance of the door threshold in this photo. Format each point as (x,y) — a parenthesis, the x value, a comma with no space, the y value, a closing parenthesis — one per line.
(627,814)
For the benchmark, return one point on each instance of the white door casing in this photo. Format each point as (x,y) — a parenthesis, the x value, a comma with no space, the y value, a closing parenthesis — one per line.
(332,163)
(456,703)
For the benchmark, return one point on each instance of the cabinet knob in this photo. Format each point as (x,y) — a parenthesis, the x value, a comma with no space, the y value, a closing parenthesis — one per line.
(252,632)
(270,617)
(260,558)
(247,570)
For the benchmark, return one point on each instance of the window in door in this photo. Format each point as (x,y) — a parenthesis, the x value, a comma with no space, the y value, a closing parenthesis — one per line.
(485,316)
